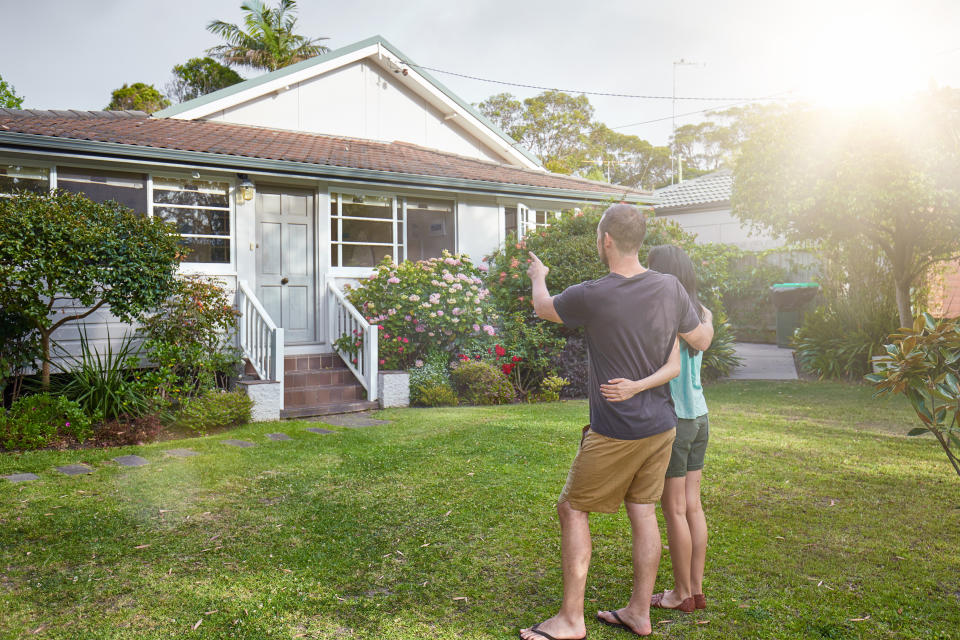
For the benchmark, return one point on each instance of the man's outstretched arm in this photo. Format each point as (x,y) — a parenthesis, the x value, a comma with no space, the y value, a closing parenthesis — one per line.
(542,301)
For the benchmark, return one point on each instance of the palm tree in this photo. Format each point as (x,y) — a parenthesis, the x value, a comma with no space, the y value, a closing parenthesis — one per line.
(267,41)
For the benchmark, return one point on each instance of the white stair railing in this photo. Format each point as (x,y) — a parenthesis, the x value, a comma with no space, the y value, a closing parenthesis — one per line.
(261,340)
(345,320)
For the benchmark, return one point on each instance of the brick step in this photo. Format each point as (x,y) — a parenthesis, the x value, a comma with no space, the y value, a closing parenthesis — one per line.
(323,394)
(328,409)
(300,379)
(313,362)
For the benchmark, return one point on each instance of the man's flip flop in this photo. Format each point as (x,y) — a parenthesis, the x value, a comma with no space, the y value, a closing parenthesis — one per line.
(536,629)
(656,602)
(619,624)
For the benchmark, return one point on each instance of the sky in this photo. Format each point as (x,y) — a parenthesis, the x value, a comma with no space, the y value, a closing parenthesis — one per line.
(63,54)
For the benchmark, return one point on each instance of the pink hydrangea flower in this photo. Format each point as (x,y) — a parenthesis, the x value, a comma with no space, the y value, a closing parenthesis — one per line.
(394,280)
(418,363)
(476,328)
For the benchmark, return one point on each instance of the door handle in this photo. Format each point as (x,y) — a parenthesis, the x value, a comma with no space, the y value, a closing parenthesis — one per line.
(284,280)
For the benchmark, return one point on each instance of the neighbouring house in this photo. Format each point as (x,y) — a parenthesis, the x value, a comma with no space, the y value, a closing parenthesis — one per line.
(702,207)
(292,183)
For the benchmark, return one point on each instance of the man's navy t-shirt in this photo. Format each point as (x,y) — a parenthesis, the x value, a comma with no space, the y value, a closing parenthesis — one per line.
(631,324)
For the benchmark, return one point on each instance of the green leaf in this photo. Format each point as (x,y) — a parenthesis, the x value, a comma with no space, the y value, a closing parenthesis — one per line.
(917,431)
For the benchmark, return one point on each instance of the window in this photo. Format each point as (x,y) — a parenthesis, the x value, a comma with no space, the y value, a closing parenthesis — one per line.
(127,189)
(430,228)
(510,218)
(200,209)
(364,229)
(15,177)
(522,220)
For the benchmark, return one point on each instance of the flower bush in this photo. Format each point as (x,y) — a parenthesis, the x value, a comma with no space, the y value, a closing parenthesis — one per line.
(430,382)
(421,307)
(214,409)
(481,383)
(40,420)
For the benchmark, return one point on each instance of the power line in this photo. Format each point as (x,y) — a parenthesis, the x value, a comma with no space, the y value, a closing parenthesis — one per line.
(575,91)
(693,113)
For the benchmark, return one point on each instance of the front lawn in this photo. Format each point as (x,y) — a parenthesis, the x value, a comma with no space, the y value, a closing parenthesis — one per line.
(825,522)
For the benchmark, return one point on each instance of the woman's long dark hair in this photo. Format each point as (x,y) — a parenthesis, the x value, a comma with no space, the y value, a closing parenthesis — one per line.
(667,258)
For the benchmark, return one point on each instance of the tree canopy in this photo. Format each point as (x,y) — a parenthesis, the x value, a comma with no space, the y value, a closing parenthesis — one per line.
(138,97)
(8,96)
(887,178)
(56,247)
(199,76)
(266,40)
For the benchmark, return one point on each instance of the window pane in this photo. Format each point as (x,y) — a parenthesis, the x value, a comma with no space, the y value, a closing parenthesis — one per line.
(15,178)
(194,198)
(541,217)
(367,231)
(429,228)
(127,189)
(367,207)
(206,250)
(510,218)
(201,221)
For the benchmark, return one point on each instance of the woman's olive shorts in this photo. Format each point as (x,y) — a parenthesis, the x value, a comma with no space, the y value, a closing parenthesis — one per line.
(689,447)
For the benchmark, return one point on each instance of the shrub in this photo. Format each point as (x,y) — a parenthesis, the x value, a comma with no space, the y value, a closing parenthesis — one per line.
(190,339)
(430,382)
(214,409)
(103,383)
(19,350)
(721,358)
(550,389)
(421,307)
(478,382)
(42,419)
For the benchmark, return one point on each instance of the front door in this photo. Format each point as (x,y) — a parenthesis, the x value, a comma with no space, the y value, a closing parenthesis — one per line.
(286,278)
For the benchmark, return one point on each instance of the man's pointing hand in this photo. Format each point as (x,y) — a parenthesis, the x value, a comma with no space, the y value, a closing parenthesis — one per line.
(537,269)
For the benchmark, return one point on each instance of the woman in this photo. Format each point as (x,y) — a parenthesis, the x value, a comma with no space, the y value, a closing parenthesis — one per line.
(686,524)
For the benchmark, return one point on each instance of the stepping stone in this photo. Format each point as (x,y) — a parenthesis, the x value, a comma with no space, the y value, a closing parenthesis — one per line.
(238,443)
(353,420)
(181,453)
(278,436)
(131,461)
(21,477)
(75,469)
(318,430)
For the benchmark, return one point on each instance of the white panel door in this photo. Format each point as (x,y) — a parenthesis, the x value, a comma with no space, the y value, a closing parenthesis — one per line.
(286,255)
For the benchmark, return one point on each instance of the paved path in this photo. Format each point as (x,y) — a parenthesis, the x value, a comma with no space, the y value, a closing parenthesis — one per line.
(343,420)
(764,362)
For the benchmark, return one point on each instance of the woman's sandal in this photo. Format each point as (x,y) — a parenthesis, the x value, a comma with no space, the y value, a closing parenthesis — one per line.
(656,602)
(699,601)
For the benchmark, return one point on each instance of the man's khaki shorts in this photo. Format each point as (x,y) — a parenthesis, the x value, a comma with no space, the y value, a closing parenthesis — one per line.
(608,472)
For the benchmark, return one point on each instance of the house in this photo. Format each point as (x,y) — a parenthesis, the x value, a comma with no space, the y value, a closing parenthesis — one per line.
(292,183)
(702,207)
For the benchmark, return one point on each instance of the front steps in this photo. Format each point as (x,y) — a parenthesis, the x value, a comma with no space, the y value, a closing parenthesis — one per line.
(320,385)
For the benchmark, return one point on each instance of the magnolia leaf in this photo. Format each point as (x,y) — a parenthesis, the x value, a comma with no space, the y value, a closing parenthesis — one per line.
(917,431)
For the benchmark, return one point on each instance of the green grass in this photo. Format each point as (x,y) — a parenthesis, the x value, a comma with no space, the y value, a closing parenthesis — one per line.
(820,511)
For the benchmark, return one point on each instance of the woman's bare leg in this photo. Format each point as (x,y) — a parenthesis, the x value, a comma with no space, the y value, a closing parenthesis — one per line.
(697,527)
(674,505)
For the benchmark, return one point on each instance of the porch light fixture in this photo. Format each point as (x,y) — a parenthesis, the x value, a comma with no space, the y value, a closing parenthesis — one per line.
(247,190)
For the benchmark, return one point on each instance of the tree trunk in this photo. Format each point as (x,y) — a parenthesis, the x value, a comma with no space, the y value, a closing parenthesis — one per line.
(45,367)
(903,304)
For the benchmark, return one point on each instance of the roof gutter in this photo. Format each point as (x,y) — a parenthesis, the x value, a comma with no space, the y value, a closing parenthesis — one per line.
(90,148)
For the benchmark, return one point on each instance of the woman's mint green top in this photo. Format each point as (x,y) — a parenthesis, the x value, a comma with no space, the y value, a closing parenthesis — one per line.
(688,400)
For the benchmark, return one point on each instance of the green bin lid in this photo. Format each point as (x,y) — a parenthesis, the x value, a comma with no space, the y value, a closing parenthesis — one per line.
(795,285)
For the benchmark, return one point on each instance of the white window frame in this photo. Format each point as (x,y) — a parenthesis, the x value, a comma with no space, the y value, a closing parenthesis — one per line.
(211,268)
(39,164)
(454,202)
(335,246)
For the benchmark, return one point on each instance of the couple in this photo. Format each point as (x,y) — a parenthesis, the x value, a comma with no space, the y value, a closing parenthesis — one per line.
(634,450)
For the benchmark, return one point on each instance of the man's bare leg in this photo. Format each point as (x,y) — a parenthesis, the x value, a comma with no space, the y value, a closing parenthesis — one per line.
(646,559)
(674,505)
(575,559)
(698,531)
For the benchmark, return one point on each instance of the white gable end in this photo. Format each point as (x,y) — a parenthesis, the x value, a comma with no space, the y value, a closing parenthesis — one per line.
(360,100)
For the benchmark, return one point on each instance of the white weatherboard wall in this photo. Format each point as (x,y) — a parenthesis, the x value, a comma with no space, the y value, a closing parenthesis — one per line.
(719,225)
(359,100)
(480,228)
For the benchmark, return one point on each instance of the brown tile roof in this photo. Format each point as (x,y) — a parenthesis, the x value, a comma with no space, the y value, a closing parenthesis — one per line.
(138,129)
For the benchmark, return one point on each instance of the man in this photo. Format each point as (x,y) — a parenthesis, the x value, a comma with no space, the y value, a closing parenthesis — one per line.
(632,317)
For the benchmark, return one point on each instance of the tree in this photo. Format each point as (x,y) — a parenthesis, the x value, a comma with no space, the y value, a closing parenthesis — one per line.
(266,41)
(554,125)
(8,96)
(628,160)
(199,76)
(57,247)
(884,177)
(138,97)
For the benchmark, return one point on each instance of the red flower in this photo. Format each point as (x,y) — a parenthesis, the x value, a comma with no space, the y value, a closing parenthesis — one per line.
(507,368)
(500,351)
(516,359)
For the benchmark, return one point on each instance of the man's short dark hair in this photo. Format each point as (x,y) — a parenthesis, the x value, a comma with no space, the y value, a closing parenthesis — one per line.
(626,225)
